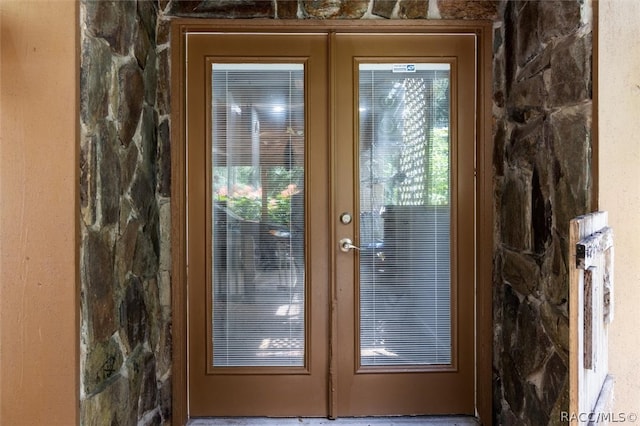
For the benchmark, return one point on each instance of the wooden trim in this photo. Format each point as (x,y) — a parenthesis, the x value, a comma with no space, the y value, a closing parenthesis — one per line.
(178,231)
(574,321)
(484,218)
(326,26)
(574,295)
(581,230)
(333,293)
(77,298)
(484,232)
(595,144)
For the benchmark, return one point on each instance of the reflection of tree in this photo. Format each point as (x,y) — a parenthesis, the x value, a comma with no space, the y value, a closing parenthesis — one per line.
(439,168)
(440,87)
(279,178)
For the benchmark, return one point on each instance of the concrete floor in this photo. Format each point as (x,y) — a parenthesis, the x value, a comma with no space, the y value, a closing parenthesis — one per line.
(352,421)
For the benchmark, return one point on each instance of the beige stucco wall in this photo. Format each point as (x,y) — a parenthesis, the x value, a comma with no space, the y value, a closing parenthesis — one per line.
(38,116)
(619,138)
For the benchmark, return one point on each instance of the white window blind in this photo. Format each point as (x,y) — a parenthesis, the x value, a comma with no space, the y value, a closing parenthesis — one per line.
(258,214)
(405,166)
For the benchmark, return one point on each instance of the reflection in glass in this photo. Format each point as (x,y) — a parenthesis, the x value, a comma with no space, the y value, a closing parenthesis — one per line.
(405,280)
(258,214)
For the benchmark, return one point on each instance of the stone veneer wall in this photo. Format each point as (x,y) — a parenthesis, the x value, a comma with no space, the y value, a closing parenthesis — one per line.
(125,336)
(542,92)
(543,178)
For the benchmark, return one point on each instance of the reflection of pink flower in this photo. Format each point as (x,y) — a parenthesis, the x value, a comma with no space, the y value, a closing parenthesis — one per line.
(292,188)
(222,191)
(246,191)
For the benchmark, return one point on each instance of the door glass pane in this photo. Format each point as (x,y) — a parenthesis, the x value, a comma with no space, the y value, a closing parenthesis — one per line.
(258,215)
(405,167)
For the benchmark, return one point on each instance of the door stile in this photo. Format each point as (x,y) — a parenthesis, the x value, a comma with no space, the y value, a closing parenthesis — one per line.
(208,159)
(333,284)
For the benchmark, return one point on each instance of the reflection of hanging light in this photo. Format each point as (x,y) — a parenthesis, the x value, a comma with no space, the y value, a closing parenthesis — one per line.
(278,109)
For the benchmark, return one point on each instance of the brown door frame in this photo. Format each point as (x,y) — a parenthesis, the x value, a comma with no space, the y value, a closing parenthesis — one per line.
(484,182)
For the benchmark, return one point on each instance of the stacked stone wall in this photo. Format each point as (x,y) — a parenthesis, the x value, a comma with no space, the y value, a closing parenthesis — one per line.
(125,336)
(543,178)
(542,175)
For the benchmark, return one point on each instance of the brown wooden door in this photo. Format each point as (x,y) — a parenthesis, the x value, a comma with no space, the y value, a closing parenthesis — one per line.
(295,142)
(257,224)
(405,106)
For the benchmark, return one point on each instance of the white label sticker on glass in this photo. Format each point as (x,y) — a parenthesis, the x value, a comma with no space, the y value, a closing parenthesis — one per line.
(404,68)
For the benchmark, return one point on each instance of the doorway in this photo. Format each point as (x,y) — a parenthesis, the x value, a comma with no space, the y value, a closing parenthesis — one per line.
(331,223)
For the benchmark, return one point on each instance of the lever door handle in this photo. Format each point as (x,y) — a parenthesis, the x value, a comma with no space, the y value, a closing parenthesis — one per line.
(346,244)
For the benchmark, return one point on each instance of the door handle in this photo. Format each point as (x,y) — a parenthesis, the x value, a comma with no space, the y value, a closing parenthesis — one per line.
(346,244)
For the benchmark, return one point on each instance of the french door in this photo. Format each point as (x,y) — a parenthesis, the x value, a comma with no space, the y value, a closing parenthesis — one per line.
(330,223)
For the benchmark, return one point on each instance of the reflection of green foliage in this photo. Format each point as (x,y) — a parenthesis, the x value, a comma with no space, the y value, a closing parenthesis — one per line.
(279,198)
(279,177)
(246,207)
(244,200)
(439,168)
(441,100)
(280,210)
(247,175)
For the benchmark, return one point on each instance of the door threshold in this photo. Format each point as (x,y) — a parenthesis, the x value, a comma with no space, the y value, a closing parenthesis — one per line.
(351,421)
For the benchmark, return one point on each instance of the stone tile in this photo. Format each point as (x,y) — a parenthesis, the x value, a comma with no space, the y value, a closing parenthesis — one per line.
(113,21)
(383,8)
(570,80)
(287,9)
(413,9)
(468,9)
(98,284)
(95,81)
